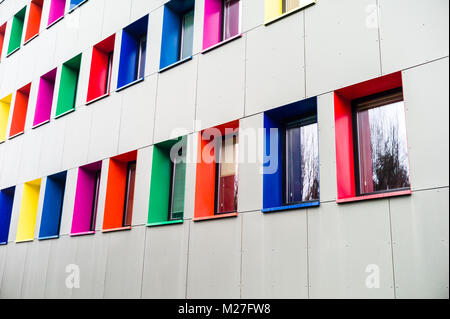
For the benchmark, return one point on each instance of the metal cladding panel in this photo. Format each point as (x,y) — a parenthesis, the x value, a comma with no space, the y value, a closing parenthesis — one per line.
(3,250)
(214,259)
(274,255)
(90,26)
(339,43)
(421,244)
(414,38)
(175,113)
(62,256)
(428,145)
(116,14)
(16,255)
(35,271)
(142,188)
(125,262)
(9,171)
(347,244)
(221,85)
(275,68)
(137,117)
(52,147)
(252,13)
(165,263)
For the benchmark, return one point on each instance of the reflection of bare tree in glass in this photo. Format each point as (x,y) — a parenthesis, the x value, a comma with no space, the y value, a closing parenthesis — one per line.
(389,150)
(310,162)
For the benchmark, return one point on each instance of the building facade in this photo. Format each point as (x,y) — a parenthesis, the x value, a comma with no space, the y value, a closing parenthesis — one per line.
(335,114)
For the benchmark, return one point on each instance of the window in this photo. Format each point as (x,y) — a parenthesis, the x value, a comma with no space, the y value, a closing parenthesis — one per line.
(133,53)
(101,69)
(15,37)
(381,147)
(291,174)
(129,194)
(120,192)
(44,101)
(53,205)
(222,21)
(5,107)
(57,8)
(226,174)
(2,38)
(178,32)
(28,211)
(34,19)
(86,199)
(75,4)
(217,171)
(167,187)
(371,148)
(6,206)
(68,86)
(275,9)
(20,111)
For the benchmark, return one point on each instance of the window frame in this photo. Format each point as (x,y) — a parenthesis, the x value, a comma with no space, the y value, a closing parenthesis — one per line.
(391,96)
(126,213)
(95,197)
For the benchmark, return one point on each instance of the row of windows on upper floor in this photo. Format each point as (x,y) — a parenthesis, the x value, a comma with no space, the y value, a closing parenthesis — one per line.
(371,158)
(222,23)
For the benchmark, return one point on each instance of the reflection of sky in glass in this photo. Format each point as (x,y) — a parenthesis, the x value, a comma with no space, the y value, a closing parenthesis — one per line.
(388,148)
(310,162)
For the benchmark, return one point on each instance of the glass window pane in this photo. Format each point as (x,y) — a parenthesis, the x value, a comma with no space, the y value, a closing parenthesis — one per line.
(177,191)
(188,35)
(293,191)
(289,5)
(230,18)
(227,175)
(95,201)
(382,147)
(129,194)
(310,162)
(140,68)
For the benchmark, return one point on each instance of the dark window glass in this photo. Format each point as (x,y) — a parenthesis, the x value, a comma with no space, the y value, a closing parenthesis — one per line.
(226,174)
(129,194)
(302,162)
(140,59)
(176,202)
(187,35)
(95,200)
(109,72)
(382,154)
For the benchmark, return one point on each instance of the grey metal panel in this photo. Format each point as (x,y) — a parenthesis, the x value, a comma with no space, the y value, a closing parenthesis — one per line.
(62,254)
(421,249)
(252,14)
(67,35)
(138,7)
(412,32)
(9,172)
(138,112)
(91,256)
(105,127)
(221,87)
(327,147)
(275,69)
(3,251)
(142,188)
(155,23)
(340,48)
(274,255)
(15,213)
(214,259)
(123,277)
(35,272)
(29,163)
(90,26)
(11,285)
(50,160)
(116,15)
(165,262)
(175,108)
(250,176)
(191,171)
(427,111)
(344,241)
(102,195)
(69,201)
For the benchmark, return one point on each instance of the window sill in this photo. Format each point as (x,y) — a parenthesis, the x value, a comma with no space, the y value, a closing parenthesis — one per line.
(16,135)
(49,237)
(374,196)
(55,22)
(167,222)
(12,52)
(65,113)
(270,21)
(175,64)
(129,84)
(82,234)
(290,207)
(77,6)
(101,97)
(221,43)
(3,243)
(24,241)
(40,124)
(30,39)
(116,229)
(198,219)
